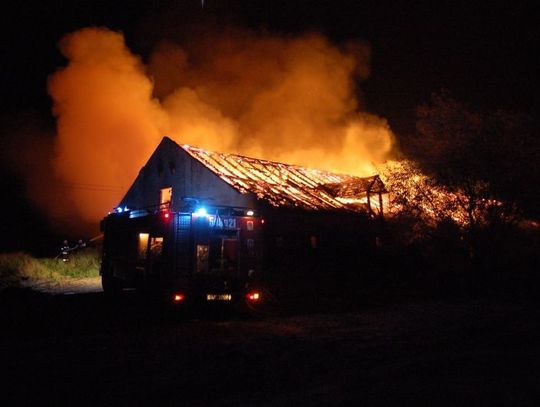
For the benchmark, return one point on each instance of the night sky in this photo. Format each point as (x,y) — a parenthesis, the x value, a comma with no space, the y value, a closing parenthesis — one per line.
(482,52)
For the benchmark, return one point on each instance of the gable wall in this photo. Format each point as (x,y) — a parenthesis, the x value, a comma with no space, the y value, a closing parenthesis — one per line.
(171,166)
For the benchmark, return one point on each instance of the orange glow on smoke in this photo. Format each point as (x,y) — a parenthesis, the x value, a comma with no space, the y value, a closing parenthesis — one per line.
(291,100)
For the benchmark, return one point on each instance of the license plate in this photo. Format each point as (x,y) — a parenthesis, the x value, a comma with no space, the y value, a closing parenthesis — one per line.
(218,297)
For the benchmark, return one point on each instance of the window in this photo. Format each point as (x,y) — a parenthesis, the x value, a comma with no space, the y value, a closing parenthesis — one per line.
(165,197)
(142,247)
(223,255)
(156,246)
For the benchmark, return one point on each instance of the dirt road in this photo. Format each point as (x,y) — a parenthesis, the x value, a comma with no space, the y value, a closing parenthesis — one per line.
(80,349)
(66,286)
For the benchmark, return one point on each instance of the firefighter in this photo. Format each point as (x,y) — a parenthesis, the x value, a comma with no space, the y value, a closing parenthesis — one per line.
(81,244)
(64,251)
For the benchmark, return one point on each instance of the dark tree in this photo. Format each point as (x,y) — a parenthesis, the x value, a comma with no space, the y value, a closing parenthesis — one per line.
(487,157)
(512,158)
(479,170)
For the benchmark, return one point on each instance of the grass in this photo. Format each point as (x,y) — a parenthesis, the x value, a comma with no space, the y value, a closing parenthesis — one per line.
(16,268)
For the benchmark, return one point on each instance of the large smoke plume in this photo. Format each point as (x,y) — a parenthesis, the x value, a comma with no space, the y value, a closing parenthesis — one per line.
(291,99)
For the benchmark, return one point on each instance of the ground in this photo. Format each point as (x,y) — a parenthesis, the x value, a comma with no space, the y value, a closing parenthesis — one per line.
(82,349)
(65,286)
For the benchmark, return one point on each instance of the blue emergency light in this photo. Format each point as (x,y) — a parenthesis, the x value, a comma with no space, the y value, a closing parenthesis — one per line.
(200,212)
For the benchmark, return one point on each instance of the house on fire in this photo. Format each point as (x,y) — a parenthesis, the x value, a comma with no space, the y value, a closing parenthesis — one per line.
(192,213)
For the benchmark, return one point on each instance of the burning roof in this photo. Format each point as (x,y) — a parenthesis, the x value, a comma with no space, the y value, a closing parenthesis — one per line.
(290,185)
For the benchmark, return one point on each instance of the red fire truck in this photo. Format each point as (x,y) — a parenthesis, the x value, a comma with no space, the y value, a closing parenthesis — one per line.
(201,255)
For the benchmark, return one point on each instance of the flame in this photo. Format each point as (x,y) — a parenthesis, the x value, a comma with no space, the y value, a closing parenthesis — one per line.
(286,99)
(291,185)
(413,190)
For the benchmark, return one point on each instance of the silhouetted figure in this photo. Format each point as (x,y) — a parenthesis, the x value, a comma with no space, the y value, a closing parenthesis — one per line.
(64,251)
(81,244)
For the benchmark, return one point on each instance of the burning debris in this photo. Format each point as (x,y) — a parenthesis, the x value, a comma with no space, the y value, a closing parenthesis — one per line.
(416,194)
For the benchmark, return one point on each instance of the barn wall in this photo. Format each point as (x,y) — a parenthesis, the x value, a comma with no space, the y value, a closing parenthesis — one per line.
(318,240)
(171,166)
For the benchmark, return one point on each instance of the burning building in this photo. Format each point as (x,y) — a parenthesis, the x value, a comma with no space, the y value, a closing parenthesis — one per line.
(196,221)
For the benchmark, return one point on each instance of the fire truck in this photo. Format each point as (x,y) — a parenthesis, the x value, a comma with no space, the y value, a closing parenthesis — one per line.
(201,255)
